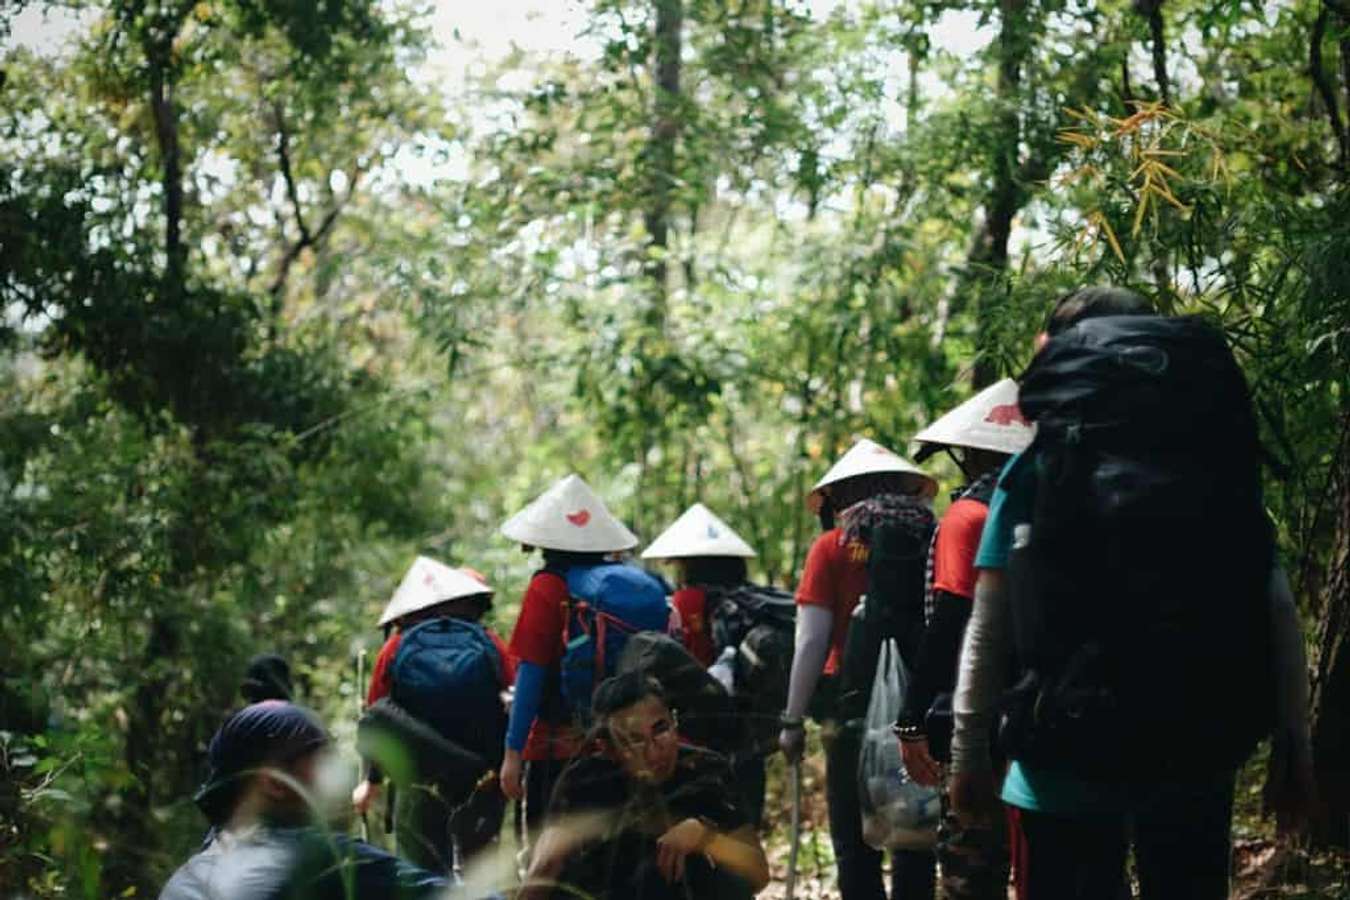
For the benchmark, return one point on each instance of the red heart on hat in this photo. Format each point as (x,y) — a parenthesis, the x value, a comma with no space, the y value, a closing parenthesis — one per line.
(579,518)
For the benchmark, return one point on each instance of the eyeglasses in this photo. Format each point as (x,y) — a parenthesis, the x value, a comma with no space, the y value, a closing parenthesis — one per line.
(663,729)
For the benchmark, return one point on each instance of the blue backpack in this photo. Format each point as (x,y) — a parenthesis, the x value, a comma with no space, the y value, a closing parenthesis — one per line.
(610,603)
(447,673)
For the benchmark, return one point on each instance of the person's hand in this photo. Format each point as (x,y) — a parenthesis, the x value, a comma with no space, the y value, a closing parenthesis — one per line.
(919,763)
(792,741)
(363,795)
(974,800)
(1290,791)
(513,785)
(682,839)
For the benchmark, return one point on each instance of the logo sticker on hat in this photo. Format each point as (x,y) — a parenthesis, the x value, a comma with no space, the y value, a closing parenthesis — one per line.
(1007,414)
(713,532)
(579,518)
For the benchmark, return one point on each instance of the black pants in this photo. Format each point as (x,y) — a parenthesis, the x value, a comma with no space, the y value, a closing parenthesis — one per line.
(913,872)
(750,781)
(540,777)
(1182,847)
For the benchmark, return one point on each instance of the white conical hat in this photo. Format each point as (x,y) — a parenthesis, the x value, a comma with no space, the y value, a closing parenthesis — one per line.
(569,516)
(868,457)
(988,421)
(698,533)
(427,583)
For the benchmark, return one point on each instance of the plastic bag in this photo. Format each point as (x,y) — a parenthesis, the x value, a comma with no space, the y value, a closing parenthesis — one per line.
(896,812)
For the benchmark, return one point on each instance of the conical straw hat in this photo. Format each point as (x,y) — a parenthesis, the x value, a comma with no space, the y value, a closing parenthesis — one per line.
(698,533)
(427,583)
(569,516)
(988,421)
(867,457)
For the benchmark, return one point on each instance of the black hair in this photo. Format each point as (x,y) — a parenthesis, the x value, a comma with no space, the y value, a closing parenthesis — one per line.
(1092,302)
(565,559)
(268,677)
(713,570)
(843,494)
(472,607)
(619,693)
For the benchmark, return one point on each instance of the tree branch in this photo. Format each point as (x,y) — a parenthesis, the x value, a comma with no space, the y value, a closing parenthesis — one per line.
(1318,74)
(1152,11)
(308,240)
(287,175)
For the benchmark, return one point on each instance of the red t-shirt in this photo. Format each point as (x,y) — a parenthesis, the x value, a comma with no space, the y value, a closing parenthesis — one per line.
(692,605)
(382,680)
(538,639)
(958,540)
(835,576)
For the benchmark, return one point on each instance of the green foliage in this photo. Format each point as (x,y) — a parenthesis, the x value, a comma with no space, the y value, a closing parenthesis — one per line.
(250,366)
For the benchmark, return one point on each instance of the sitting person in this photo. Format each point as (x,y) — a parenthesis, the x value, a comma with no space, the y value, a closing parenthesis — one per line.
(265,763)
(645,817)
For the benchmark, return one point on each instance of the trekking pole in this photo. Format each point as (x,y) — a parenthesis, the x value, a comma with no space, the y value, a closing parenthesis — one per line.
(795,793)
(360,710)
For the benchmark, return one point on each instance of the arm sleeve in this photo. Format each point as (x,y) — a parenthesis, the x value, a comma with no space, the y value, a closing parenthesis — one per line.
(525,707)
(815,624)
(981,674)
(935,662)
(1290,663)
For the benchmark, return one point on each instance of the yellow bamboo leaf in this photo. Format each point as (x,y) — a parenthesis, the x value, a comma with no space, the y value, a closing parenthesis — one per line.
(1168,196)
(1139,214)
(1168,170)
(1078,139)
(1110,233)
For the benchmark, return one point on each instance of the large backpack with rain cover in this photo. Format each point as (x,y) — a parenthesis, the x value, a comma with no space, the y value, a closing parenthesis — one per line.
(448,674)
(707,714)
(610,603)
(1139,589)
(759,623)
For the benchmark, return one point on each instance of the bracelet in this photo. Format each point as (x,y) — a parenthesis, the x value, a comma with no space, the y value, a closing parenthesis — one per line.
(909,732)
(790,723)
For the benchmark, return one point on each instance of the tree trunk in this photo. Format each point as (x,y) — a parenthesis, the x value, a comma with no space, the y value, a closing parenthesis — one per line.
(166,133)
(1331,673)
(988,257)
(660,153)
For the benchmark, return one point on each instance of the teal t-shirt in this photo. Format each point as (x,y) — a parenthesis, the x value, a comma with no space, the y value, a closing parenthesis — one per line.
(1024,786)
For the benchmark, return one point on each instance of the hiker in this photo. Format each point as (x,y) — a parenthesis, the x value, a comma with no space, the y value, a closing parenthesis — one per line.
(1128,570)
(447,671)
(868,493)
(267,677)
(744,628)
(268,834)
(576,614)
(643,816)
(980,435)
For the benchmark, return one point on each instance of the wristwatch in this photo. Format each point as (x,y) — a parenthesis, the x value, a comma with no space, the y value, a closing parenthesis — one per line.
(909,732)
(791,723)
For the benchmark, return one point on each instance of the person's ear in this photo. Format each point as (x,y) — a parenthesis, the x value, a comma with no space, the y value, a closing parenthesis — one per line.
(1042,339)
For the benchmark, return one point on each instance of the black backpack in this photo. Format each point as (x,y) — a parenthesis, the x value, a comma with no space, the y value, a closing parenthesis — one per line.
(707,715)
(892,608)
(760,624)
(1139,589)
